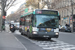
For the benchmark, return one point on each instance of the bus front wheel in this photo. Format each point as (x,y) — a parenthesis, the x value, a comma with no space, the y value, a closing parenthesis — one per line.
(49,38)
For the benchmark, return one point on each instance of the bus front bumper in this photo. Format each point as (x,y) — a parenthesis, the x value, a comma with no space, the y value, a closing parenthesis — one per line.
(45,34)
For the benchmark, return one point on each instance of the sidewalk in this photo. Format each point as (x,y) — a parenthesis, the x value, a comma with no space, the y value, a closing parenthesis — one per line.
(9,42)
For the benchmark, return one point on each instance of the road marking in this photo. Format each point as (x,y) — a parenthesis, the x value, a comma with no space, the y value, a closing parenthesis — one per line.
(52,45)
(27,38)
(21,43)
(55,45)
(58,45)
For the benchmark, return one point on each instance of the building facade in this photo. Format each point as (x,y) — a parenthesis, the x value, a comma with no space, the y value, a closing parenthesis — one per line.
(65,10)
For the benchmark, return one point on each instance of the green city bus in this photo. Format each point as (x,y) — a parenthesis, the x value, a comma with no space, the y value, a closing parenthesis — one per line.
(40,23)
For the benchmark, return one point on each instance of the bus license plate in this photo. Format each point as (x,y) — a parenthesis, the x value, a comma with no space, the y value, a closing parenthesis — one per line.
(45,36)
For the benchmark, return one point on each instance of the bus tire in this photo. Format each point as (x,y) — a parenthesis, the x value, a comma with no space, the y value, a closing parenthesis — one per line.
(29,36)
(21,33)
(49,38)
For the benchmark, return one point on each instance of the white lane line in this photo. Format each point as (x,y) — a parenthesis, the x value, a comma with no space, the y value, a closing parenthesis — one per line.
(52,48)
(54,45)
(28,39)
(64,46)
(56,48)
(66,49)
(72,47)
(21,43)
(61,47)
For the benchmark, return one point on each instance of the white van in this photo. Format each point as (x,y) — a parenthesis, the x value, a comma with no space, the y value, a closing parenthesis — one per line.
(17,25)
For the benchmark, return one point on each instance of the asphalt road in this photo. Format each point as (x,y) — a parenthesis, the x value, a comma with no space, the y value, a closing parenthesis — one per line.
(27,42)
(67,37)
(65,41)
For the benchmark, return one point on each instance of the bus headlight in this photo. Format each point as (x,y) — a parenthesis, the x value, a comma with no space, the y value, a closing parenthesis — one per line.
(57,33)
(34,32)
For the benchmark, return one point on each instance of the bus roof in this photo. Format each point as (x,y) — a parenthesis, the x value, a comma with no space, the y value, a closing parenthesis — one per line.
(53,12)
(27,14)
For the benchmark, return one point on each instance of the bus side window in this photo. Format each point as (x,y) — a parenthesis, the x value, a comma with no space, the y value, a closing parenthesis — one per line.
(20,23)
(32,16)
(30,20)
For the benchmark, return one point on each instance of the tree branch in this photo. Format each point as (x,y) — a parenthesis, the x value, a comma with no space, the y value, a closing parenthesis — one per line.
(7,4)
(10,5)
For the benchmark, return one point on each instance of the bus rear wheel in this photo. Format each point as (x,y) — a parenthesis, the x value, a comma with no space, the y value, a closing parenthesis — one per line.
(28,35)
(22,33)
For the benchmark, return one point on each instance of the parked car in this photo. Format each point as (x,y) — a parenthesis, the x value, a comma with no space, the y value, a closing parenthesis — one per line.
(65,29)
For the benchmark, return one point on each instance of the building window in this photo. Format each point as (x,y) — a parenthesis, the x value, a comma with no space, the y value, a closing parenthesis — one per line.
(62,13)
(67,12)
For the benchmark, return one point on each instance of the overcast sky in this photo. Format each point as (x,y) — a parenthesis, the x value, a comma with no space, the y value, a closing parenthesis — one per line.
(14,8)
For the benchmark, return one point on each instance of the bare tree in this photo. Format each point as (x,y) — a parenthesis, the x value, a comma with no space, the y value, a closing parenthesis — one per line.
(34,3)
(14,16)
(48,3)
(5,5)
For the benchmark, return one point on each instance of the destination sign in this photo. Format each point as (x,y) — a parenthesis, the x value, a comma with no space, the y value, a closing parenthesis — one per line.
(46,12)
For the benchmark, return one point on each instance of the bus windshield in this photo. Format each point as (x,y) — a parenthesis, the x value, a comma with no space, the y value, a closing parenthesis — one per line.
(46,21)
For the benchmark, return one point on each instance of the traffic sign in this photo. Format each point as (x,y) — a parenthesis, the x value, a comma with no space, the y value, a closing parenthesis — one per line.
(4,17)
